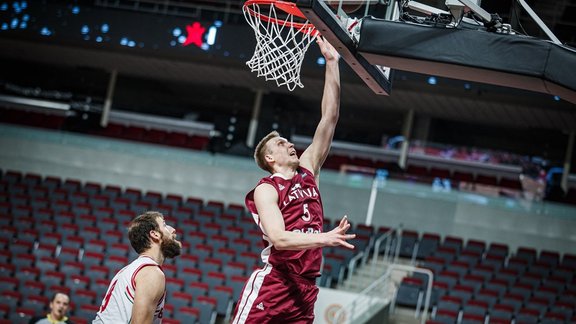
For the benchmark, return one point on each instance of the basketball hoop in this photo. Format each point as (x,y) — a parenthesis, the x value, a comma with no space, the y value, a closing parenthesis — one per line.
(283,35)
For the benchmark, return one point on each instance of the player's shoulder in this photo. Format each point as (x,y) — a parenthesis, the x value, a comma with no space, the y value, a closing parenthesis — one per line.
(274,180)
(151,272)
(265,187)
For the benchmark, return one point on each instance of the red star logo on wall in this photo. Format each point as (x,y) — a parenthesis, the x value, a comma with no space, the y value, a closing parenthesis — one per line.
(195,33)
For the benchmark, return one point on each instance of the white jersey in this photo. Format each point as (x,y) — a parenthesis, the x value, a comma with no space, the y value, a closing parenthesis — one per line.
(117,304)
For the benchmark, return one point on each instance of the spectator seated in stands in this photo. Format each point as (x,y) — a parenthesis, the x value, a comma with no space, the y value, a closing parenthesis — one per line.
(58,310)
(554,190)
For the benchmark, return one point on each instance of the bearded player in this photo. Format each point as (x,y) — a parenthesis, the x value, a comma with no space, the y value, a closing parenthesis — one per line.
(137,292)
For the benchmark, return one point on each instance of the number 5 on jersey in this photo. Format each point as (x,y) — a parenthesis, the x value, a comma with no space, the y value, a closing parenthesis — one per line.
(306,216)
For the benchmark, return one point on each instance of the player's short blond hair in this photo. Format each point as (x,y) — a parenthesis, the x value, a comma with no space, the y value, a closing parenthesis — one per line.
(261,150)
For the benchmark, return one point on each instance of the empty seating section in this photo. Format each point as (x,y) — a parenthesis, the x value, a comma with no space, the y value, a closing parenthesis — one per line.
(478,282)
(63,235)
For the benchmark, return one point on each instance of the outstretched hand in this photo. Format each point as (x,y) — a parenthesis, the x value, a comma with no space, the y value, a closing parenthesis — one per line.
(329,52)
(338,235)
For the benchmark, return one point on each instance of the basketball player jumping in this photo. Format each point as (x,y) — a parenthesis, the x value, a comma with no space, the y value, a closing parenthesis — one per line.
(137,292)
(288,209)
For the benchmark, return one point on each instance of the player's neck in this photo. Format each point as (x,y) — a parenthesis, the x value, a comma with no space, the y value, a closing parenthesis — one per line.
(155,254)
(288,172)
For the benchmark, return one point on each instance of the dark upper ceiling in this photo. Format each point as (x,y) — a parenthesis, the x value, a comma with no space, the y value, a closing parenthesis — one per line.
(483,104)
(558,15)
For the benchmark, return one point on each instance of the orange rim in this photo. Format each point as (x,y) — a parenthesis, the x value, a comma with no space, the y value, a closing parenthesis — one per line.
(287,7)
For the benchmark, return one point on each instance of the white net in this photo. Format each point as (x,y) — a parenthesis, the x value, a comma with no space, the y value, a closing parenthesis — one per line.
(281,43)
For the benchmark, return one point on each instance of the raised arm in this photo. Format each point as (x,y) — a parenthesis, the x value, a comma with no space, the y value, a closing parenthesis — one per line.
(266,199)
(150,287)
(314,156)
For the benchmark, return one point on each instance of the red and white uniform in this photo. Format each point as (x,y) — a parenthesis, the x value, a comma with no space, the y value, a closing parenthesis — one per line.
(117,304)
(285,289)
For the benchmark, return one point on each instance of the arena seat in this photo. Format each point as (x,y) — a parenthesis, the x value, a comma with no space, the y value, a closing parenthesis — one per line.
(23,261)
(210,264)
(4,311)
(89,232)
(187,314)
(446,316)
(180,299)
(174,284)
(476,282)
(408,243)
(435,264)
(502,312)
(37,303)
(77,282)
(527,315)
(118,249)
(214,278)
(100,286)
(8,283)
(190,275)
(224,299)
(86,311)
(207,307)
(71,267)
(427,245)
(21,315)
(97,271)
(409,292)
(54,278)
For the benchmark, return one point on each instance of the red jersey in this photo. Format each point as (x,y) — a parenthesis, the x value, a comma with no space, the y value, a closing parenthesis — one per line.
(301,206)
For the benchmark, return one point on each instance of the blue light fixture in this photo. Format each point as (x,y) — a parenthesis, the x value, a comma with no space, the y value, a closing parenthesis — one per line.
(211,37)
(432,80)
(105,28)
(45,31)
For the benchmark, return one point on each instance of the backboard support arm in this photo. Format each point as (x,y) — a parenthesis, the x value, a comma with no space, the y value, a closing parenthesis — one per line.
(319,14)
(539,21)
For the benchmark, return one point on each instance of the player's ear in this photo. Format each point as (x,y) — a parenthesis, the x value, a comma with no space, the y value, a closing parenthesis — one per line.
(155,234)
(269,158)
